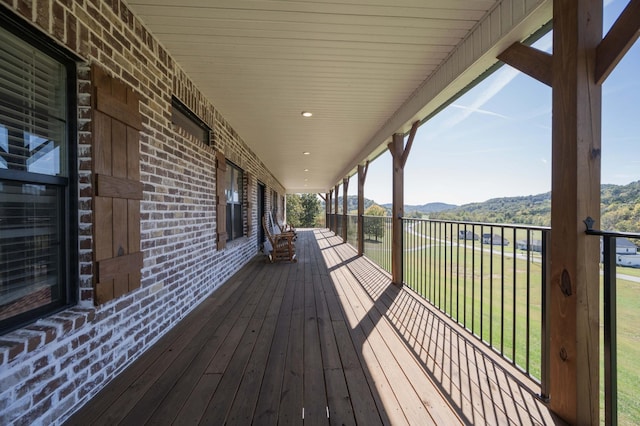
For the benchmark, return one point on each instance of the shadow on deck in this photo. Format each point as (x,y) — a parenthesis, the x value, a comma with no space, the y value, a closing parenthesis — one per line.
(327,340)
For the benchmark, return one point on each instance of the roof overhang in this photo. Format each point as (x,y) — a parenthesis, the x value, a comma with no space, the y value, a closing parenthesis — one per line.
(366,69)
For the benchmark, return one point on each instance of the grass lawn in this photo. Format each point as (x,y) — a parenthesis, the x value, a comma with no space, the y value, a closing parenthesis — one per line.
(487,293)
(635,272)
(628,336)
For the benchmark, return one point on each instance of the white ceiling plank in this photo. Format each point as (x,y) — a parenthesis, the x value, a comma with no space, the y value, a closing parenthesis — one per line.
(365,68)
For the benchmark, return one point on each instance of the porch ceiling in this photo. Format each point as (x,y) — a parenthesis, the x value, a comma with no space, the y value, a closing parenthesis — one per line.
(365,69)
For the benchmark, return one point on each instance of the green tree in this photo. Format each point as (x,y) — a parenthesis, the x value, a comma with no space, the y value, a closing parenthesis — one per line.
(374,226)
(294,209)
(310,206)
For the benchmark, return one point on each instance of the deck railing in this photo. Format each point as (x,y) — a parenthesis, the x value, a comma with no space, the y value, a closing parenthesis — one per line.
(489,278)
(610,261)
(377,240)
(352,230)
(493,280)
(340,224)
(330,219)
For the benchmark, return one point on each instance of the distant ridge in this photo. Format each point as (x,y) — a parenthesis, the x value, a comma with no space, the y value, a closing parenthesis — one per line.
(424,208)
(352,206)
(620,209)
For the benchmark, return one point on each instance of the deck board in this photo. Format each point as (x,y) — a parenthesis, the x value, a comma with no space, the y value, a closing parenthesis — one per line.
(243,408)
(329,333)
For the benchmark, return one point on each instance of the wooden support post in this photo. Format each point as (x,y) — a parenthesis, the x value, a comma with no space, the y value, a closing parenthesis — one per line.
(362,177)
(576,134)
(396,147)
(327,208)
(335,213)
(345,208)
(400,155)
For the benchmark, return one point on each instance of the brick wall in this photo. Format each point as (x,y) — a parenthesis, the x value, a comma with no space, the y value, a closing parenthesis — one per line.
(50,368)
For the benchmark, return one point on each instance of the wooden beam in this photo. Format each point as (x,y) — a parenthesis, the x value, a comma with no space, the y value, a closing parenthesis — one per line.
(323,197)
(345,208)
(624,32)
(533,62)
(396,147)
(362,177)
(407,149)
(575,189)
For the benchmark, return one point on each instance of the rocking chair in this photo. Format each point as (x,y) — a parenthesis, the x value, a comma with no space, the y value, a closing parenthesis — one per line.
(278,246)
(277,228)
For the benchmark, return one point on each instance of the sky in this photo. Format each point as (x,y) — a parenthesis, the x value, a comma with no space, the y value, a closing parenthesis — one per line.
(495,141)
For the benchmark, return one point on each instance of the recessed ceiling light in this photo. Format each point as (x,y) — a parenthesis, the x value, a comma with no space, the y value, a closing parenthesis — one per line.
(306,114)
(306,153)
(306,170)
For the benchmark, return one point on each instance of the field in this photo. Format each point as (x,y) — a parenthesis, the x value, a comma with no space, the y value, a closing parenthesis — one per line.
(495,292)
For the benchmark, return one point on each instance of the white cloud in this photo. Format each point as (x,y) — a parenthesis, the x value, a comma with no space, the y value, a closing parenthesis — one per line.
(499,81)
(479,111)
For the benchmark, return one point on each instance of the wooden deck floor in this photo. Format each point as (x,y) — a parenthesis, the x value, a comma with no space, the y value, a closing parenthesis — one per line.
(327,339)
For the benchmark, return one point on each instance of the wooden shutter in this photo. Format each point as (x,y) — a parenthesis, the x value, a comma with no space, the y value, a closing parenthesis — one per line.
(247,189)
(221,199)
(117,188)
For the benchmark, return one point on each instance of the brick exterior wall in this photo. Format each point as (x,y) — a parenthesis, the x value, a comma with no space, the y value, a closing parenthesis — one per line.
(50,368)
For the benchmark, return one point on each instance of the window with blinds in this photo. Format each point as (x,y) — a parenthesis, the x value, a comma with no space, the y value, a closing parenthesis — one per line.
(34,181)
(235,225)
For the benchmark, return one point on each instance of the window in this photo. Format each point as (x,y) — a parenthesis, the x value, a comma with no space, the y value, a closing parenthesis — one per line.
(235,225)
(34,178)
(274,204)
(182,117)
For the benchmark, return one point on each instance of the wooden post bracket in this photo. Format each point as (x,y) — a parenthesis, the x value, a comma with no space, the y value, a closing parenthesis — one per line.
(622,35)
(407,148)
(531,61)
(624,32)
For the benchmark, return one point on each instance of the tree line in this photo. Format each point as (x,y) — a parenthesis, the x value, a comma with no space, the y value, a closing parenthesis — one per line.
(620,209)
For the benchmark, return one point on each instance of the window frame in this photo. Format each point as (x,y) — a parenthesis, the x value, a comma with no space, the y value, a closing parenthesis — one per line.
(231,215)
(274,204)
(177,106)
(68,185)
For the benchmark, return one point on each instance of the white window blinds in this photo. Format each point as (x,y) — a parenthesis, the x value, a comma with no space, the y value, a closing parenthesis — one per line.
(32,109)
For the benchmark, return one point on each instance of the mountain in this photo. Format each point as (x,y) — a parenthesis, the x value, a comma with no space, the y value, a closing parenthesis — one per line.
(620,209)
(529,210)
(424,208)
(352,206)
(352,203)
